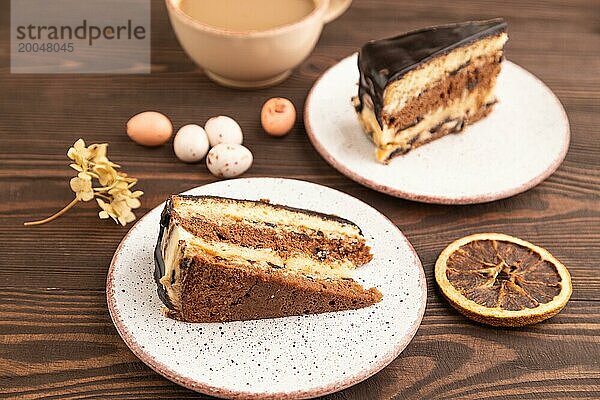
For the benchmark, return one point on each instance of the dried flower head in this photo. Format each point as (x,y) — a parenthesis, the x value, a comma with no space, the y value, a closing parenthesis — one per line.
(82,186)
(114,195)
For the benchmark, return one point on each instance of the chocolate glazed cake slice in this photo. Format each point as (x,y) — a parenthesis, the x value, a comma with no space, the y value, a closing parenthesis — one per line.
(220,259)
(422,85)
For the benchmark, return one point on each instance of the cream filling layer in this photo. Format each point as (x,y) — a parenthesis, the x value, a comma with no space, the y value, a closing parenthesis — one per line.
(398,93)
(269,259)
(286,219)
(388,139)
(173,247)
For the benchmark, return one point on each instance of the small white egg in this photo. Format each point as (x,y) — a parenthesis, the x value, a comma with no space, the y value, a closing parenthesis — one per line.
(223,129)
(227,160)
(190,143)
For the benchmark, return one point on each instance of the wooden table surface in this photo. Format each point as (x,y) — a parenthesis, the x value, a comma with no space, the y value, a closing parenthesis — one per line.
(56,336)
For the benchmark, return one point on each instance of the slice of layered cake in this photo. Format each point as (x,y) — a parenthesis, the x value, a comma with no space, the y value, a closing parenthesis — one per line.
(220,259)
(422,85)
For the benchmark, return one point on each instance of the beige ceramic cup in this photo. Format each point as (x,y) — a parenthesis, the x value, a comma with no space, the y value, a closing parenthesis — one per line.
(255,58)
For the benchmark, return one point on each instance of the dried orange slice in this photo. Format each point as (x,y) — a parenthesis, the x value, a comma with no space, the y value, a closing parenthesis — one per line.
(501,280)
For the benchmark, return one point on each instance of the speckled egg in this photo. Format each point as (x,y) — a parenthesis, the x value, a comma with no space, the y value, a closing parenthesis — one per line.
(227,160)
(278,116)
(223,129)
(190,143)
(149,128)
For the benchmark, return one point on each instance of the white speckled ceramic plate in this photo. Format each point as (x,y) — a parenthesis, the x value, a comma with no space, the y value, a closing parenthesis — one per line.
(283,358)
(521,143)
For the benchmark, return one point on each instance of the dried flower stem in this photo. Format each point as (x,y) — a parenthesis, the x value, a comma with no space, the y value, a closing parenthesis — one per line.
(114,198)
(100,195)
(53,217)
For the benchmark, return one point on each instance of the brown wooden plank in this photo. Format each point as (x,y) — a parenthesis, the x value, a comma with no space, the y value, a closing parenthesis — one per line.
(56,337)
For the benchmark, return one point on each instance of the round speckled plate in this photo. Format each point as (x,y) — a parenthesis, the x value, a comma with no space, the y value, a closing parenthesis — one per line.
(283,358)
(521,143)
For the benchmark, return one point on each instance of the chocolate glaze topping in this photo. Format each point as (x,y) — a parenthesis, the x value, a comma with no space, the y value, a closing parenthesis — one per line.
(383,61)
(159,262)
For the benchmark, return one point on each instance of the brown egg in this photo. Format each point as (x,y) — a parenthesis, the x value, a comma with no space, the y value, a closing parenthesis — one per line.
(278,116)
(149,128)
